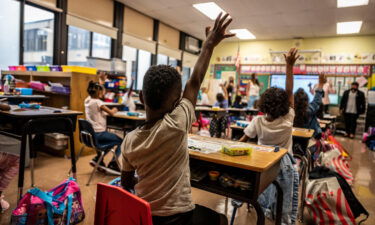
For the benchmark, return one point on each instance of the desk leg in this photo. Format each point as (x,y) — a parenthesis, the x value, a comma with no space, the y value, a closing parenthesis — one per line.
(73,156)
(279,204)
(21,170)
(260,213)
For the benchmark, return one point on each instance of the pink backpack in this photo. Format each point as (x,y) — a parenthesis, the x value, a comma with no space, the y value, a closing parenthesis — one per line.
(61,205)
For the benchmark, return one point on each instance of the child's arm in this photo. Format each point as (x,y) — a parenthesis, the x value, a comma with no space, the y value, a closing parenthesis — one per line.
(290,59)
(4,107)
(111,112)
(214,37)
(128,180)
(224,88)
(317,101)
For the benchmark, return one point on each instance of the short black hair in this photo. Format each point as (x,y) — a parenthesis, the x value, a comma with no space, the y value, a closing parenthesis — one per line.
(93,88)
(158,83)
(274,102)
(355,83)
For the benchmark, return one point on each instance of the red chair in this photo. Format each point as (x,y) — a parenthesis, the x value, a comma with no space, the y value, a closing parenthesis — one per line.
(115,206)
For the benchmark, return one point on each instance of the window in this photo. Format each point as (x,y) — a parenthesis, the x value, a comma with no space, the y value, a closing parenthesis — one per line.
(172,62)
(38,36)
(129,55)
(162,59)
(101,46)
(186,72)
(78,46)
(9,40)
(144,62)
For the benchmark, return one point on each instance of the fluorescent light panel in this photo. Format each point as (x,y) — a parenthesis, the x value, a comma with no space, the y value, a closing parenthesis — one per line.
(243,33)
(351,3)
(210,9)
(349,27)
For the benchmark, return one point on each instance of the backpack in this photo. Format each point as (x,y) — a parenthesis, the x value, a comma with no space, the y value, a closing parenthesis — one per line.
(61,205)
(330,199)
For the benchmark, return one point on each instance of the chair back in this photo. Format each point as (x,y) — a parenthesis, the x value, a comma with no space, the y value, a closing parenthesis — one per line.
(116,206)
(87,133)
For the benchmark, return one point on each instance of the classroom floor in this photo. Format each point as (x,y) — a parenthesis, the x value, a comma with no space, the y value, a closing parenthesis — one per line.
(51,170)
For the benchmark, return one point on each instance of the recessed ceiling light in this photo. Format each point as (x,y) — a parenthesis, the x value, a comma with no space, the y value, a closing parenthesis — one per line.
(210,9)
(349,27)
(243,33)
(351,3)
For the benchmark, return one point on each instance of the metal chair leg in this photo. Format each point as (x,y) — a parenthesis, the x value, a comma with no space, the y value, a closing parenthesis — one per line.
(236,205)
(32,171)
(96,167)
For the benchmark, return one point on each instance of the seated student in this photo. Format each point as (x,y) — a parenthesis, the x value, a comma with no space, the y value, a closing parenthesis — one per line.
(219,124)
(158,151)
(96,113)
(238,102)
(275,126)
(128,100)
(306,114)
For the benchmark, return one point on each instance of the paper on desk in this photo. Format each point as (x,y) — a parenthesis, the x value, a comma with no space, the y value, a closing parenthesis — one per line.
(203,146)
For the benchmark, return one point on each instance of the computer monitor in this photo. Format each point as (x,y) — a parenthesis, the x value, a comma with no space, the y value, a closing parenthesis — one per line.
(300,81)
(333,99)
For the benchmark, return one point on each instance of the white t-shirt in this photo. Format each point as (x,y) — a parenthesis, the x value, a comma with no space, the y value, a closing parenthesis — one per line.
(204,100)
(96,116)
(351,106)
(275,133)
(129,102)
(253,89)
(160,157)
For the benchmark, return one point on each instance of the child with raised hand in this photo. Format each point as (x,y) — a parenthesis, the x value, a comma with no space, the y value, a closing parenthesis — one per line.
(218,123)
(275,126)
(306,113)
(158,151)
(96,113)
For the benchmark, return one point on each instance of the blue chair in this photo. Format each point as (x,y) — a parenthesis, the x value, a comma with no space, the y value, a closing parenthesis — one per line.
(88,139)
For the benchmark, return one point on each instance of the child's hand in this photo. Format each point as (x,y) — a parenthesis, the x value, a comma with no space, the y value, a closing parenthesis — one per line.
(217,34)
(291,57)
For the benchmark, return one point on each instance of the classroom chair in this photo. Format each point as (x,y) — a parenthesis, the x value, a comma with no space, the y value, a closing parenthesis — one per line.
(115,206)
(39,127)
(88,139)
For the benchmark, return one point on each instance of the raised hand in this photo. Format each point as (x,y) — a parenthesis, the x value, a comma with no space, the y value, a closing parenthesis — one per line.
(291,57)
(217,34)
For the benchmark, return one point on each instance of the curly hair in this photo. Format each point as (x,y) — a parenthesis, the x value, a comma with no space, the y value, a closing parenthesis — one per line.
(274,102)
(158,84)
(301,104)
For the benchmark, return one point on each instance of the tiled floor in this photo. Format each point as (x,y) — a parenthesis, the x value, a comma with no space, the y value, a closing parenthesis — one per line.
(50,171)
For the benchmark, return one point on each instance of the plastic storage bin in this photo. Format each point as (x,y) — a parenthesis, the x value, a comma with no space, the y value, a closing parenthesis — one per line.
(55,68)
(79,69)
(31,68)
(55,141)
(25,91)
(42,68)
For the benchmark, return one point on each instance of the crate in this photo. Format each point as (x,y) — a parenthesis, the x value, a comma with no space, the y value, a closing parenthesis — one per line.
(58,142)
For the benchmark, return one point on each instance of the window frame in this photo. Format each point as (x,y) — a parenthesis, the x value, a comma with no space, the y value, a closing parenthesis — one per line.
(56,21)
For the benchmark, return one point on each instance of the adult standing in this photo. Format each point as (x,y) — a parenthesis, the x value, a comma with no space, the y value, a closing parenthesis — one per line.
(328,89)
(230,89)
(253,89)
(353,104)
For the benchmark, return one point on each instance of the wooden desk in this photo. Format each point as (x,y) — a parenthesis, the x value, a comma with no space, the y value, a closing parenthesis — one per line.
(18,117)
(323,125)
(260,169)
(208,109)
(121,121)
(328,122)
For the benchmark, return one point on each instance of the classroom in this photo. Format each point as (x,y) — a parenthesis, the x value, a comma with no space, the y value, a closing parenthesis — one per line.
(187,112)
